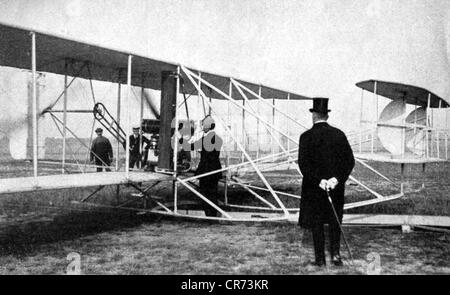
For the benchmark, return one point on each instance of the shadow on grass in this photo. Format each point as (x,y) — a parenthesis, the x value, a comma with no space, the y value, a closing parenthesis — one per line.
(24,238)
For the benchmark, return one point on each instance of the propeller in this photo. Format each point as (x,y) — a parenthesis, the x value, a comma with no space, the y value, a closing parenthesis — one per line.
(17,131)
(151,104)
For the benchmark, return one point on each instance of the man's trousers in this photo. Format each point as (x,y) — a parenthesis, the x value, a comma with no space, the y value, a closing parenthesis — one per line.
(319,240)
(209,189)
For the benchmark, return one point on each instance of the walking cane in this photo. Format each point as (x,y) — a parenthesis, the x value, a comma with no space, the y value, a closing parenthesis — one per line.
(340,227)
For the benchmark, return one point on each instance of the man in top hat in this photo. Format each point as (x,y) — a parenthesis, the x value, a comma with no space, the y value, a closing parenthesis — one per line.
(326,160)
(136,139)
(210,145)
(101,151)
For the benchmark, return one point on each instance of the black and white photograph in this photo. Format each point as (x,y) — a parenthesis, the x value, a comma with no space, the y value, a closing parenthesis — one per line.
(214,140)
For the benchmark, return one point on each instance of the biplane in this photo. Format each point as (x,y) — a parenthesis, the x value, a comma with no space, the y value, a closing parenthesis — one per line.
(398,134)
(178,85)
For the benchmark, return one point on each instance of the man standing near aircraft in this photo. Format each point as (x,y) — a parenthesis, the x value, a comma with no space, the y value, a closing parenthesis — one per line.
(326,160)
(136,140)
(101,151)
(210,145)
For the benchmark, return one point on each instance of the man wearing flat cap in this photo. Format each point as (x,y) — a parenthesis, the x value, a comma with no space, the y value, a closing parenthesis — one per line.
(101,151)
(137,151)
(326,160)
(209,145)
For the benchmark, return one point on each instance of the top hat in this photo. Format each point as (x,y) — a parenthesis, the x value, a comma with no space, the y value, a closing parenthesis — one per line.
(98,130)
(320,105)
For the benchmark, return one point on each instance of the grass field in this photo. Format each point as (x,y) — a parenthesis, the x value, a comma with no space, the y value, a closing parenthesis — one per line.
(118,244)
(39,230)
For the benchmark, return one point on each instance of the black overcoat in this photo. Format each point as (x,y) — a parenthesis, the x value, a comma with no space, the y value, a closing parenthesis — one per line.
(324,152)
(210,145)
(101,150)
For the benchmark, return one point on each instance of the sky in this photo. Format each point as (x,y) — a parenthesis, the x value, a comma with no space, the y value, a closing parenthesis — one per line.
(314,48)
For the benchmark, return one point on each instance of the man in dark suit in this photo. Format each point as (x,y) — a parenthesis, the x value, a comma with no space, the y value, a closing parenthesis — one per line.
(135,152)
(210,145)
(101,151)
(326,160)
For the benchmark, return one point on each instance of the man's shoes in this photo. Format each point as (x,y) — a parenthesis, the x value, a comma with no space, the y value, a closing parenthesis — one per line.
(337,260)
(318,262)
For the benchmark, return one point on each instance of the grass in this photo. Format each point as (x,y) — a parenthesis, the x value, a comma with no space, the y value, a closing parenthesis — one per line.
(173,247)
(39,230)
